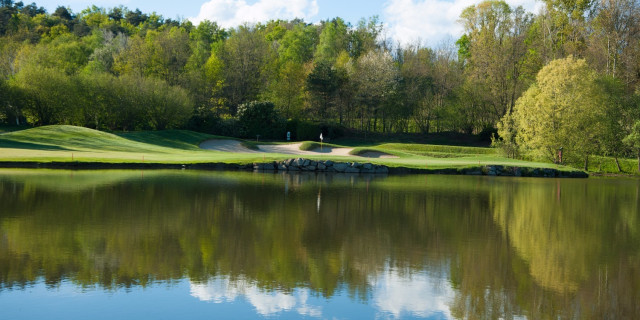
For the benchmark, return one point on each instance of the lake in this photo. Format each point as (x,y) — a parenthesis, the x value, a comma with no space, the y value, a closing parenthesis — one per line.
(237,245)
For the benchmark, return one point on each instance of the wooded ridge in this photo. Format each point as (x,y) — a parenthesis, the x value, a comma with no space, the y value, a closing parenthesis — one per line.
(565,78)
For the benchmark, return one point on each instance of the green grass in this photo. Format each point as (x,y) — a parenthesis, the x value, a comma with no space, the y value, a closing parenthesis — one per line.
(312,145)
(607,165)
(69,143)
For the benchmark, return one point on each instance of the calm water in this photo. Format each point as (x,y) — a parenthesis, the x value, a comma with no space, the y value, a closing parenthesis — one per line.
(211,245)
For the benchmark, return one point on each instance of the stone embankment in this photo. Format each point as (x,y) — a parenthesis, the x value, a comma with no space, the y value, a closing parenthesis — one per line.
(308,165)
(301,164)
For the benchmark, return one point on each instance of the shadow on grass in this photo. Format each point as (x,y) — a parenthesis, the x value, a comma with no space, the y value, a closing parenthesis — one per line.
(30,146)
(4,128)
(175,139)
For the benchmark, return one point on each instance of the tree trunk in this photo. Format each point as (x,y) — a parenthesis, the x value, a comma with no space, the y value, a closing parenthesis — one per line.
(618,165)
(586,163)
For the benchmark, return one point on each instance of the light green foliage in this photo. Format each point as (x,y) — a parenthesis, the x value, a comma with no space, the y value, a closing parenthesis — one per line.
(333,40)
(202,39)
(244,56)
(297,45)
(633,140)
(493,49)
(286,92)
(565,26)
(375,77)
(100,100)
(564,108)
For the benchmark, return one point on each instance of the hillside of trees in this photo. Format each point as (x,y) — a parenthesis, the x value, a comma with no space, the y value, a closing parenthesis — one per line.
(122,69)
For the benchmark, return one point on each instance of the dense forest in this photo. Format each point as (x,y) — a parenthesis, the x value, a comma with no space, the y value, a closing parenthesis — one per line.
(570,71)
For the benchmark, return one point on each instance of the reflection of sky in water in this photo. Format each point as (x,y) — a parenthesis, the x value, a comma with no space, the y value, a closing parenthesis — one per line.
(415,295)
(224,290)
(394,295)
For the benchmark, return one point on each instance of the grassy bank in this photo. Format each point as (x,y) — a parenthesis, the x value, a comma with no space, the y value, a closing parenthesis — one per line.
(76,144)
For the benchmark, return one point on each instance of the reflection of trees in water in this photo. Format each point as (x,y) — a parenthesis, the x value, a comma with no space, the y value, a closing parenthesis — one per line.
(580,242)
(509,247)
(161,228)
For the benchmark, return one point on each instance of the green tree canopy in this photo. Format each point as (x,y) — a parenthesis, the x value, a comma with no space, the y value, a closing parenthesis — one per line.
(633,140)
(564,108)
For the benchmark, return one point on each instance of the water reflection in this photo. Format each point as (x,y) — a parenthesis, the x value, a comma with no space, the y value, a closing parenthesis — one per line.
(265,302)
(412,294)
(437,246)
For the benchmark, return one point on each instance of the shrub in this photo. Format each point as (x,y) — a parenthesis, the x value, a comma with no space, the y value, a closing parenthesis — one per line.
(261,118)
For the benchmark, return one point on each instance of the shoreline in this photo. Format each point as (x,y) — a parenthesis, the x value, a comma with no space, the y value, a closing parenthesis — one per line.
(304,165)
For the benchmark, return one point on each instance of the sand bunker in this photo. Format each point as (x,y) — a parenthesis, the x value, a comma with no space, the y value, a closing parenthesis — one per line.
(294,148)
(291,148)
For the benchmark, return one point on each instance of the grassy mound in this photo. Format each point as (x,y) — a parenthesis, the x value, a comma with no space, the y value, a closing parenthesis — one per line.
(63,137)
(371,153)
(312,145)
(437,151)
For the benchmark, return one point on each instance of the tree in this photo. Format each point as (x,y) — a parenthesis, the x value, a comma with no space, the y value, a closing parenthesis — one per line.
(286,90)
(618,117)
(48,96)
(261,118)
(416,86)
(494,50)
(633,140)
(297,45)
(323,82)
(613,46)
(375,77)
(333,39)
(364,37)
(564,27)
(244,56)
(564,108)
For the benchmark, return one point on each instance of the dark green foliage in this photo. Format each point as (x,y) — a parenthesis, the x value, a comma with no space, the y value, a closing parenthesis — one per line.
(63,13)
(310,131)
(307,131)
(135,17)
(261,118)
(203,120)
(323,82)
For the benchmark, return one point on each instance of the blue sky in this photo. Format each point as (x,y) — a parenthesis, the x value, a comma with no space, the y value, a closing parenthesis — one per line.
(429,22)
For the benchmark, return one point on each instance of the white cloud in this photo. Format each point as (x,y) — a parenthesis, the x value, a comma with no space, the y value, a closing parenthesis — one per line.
(232,13)
(267,303)
(417,295)
(217,291)
(432,21)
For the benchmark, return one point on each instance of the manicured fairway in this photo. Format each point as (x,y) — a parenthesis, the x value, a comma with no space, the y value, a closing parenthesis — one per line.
(69,143)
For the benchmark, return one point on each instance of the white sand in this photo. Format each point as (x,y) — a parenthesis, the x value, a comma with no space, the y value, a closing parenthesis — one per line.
(290,148)
(294,148)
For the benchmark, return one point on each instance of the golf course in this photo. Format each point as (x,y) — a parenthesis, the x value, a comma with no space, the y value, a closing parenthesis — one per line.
(63,143)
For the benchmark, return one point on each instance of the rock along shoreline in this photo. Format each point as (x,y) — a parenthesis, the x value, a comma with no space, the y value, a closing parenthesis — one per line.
(307,165)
